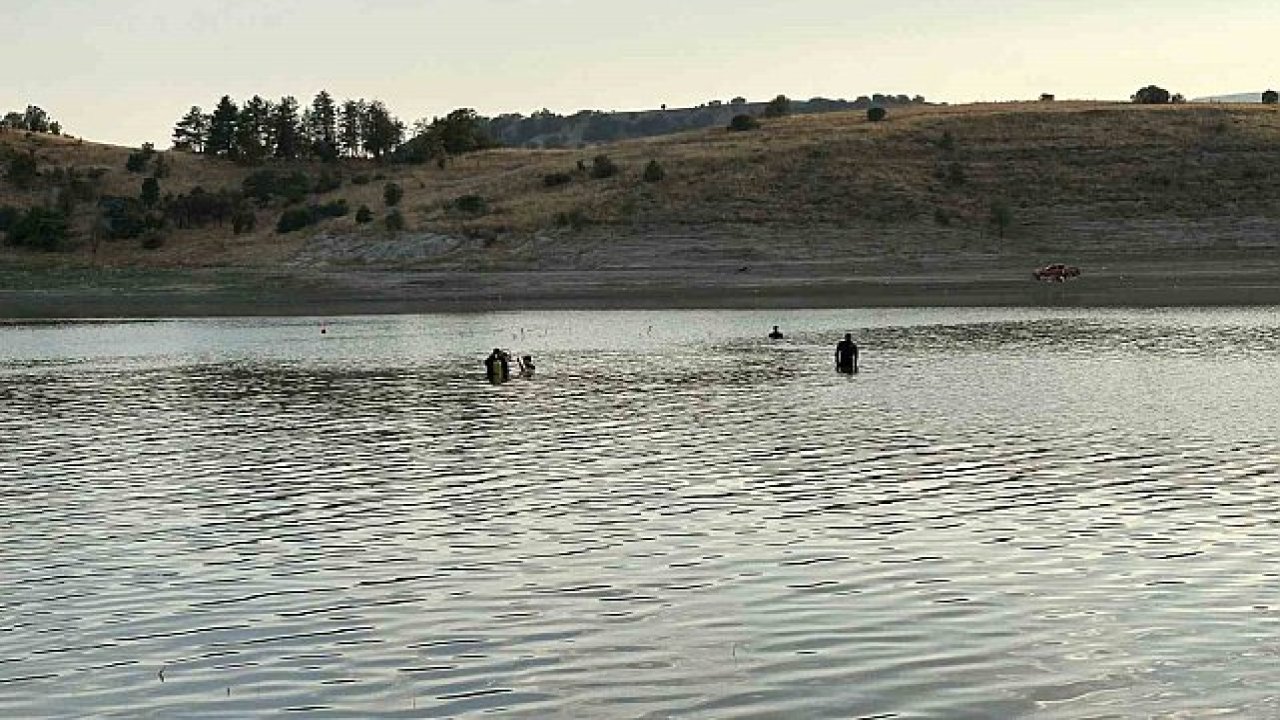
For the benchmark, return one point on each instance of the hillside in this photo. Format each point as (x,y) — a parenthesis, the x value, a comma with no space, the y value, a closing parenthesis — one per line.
(1073,179)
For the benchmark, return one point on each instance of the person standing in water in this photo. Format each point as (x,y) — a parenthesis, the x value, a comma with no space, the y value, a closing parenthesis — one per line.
(847,355)
(497,367)
(526,366)
(776,334)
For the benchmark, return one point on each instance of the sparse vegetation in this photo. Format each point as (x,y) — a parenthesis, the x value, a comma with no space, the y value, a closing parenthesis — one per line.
(743,123)
(929,167)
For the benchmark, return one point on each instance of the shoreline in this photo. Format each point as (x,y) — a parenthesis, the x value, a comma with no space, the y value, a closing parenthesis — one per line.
(228,292)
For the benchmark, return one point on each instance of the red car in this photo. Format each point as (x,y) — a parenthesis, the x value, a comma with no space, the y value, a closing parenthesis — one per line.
(1057,271)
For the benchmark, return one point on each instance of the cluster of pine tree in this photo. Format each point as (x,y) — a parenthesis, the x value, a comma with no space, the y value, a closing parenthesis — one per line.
(33,120)
(259,129)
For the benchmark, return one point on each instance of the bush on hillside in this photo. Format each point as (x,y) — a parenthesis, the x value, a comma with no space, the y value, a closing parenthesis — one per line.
(603,167)
(471,205)
(876,114)
(264,185)
(392,194)
(778,107)
(394,221)
(298,218)
(244,220)
(1001,216)
(327,182)
(150,194)
(653,172)
(556,179)
(294,219)
(1151,95)
(22,171)
(364,215)
(8,216)
(126,218)
(40,229)
(742,123)
(198,208)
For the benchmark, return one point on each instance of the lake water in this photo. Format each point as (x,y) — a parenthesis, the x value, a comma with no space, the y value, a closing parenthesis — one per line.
(1006,514)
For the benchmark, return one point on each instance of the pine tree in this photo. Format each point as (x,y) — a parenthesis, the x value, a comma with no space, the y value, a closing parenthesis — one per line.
(323,126)
(382,131)
(351,128)
(287,130)
(222,129)
(192,131)
(252,127)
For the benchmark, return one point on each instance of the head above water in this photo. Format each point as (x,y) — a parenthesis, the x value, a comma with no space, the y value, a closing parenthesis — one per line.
(848,336)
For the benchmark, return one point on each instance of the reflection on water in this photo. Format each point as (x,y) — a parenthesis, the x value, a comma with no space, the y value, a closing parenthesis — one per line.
(1006,514)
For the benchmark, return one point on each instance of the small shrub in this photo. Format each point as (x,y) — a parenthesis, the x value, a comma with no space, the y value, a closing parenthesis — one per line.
(327,182)
(394,221)
(1046,97)
(153,240)
(603,167)
(360,179)
(263,185)
(364,215)
(575,219)
(125,218)
(22,171)
(40,229)
(947,143)
(743,123)
(1151,95)
(877,114)
(392,194)
(294,219)
(471,205)
(1001,216)
(653,172)
(150,194)
(556,179)
(954,175)
(8,216)
(335,209)
(245,220)
(778,107)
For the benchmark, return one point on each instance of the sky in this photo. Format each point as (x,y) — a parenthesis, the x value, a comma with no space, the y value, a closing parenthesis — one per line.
(123,71)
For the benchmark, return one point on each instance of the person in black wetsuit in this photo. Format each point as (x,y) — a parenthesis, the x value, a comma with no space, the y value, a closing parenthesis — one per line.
(847,355)
(776,334)
(497,367)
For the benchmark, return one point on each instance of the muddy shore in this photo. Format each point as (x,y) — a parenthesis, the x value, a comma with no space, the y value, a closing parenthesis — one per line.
(214,292)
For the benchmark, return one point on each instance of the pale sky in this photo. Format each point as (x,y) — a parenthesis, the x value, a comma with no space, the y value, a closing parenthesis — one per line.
(123,71)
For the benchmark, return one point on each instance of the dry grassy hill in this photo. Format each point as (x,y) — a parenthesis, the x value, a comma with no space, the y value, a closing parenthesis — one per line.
(1078,179)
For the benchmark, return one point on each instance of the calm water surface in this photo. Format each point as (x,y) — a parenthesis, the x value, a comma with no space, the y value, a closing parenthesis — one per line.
(1007,514)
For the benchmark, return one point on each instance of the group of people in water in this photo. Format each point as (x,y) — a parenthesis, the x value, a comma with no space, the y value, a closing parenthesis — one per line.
(497,366)
(846,352)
